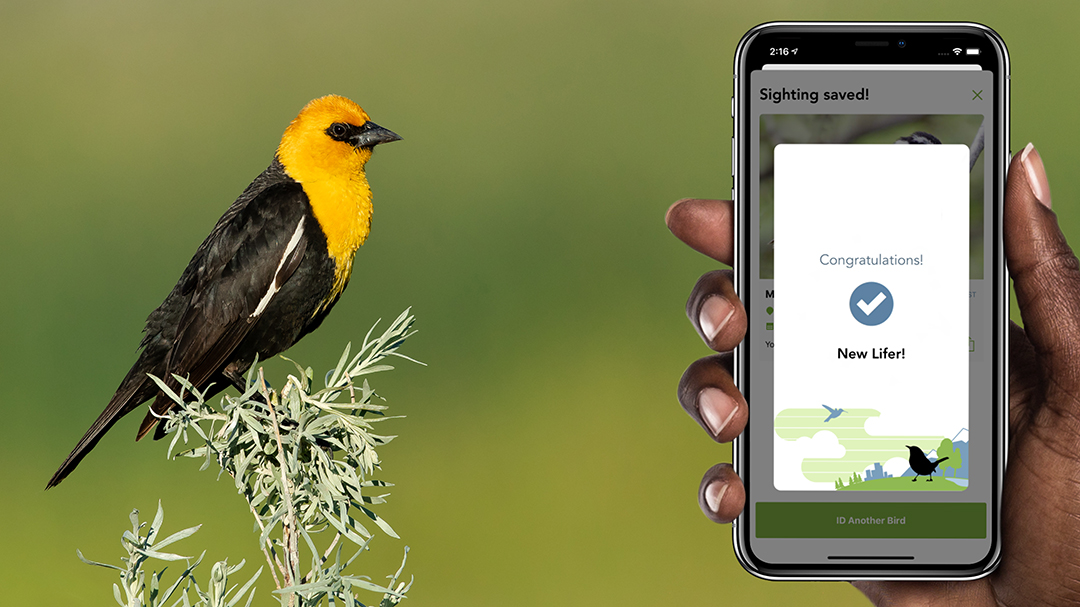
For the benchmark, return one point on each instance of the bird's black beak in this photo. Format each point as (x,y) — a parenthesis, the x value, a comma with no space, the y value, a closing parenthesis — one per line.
(370,135)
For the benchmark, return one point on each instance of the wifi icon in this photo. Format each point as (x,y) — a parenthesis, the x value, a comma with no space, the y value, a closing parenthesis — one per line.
(956,51)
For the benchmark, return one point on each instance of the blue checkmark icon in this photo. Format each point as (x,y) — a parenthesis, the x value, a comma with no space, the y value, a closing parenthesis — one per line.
(871,303)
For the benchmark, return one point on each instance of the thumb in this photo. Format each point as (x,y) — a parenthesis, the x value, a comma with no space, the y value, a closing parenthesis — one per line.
(1044,269)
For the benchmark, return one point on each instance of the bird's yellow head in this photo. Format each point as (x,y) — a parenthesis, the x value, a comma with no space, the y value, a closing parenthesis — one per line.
(325,149)
(331,138)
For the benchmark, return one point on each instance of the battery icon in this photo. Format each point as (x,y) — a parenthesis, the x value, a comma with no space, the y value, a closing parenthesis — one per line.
(973,51)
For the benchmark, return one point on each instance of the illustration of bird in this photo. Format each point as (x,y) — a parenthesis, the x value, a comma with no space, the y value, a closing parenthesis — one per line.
(267,275)
(919,463)
(833,413)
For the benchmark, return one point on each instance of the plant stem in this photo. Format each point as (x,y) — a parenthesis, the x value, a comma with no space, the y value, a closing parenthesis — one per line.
(325,557)
(269,561)
(289,524)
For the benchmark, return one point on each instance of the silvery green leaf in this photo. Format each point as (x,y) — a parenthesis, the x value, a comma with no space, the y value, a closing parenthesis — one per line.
(156,525)
(397,574)
(179,535)
(408,358)
(89,562)
(380,522)
(164,556)
(299,367)
(155,582)
(218,583)
(172,445)
(240,593)
(183,576)
(344,530)
(358,552)
(116,595)
(166,389)
(308,541)
(294,404)
(359,582)
(270,524)
(317,585)
(186,386)
(252,371)
(340,366)
(130,537)
(367,343)
(236,567)
(374,369)
(245,459)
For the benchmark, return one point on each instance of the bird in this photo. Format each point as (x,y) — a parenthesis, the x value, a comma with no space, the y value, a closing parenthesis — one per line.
(833,413)
(270,271)
(919,463)
(919,138)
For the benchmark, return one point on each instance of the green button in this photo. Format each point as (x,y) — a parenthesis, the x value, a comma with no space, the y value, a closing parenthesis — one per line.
(888,520)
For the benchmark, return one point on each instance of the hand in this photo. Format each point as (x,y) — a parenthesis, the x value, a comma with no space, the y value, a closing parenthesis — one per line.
(1041,495)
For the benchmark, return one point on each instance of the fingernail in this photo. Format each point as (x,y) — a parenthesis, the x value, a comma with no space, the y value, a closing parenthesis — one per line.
(714,493)
(715,313)
(716,409)
(667,216)
(1036,174)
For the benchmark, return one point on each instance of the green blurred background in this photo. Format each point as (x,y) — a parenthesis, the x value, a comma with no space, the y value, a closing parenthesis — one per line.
(544,457)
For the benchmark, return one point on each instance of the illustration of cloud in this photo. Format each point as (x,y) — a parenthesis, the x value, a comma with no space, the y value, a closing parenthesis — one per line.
(896,466)
(789,456)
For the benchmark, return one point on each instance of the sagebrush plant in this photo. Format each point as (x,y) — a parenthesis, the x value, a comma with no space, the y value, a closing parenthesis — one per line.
(140,548)
(303,459)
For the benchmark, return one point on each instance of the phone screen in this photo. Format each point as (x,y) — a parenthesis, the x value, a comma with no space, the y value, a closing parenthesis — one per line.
(872,277)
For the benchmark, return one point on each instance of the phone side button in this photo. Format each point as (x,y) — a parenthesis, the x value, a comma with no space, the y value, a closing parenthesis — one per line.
(732,156)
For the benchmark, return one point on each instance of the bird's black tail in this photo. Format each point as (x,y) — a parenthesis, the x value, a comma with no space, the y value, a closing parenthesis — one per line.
(132,393)
(936,462)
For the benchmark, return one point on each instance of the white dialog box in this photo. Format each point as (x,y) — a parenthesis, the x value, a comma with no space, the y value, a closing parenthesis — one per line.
(871,313)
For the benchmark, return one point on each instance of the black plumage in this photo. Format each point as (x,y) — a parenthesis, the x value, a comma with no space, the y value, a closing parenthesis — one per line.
(206,329)
(920,464)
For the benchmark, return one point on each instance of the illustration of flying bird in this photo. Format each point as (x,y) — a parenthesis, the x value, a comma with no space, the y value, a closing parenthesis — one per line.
(833,413)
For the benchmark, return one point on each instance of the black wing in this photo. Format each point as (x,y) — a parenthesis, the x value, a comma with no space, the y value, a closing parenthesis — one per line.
(254,248)
(231,280)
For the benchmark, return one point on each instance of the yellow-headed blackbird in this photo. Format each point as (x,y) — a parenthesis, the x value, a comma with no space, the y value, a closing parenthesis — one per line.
(268,273)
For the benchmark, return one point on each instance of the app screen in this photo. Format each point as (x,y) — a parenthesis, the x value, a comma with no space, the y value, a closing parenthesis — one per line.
(871,262)
(869,349)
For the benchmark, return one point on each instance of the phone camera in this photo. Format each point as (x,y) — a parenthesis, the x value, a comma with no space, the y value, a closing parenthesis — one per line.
(901,43)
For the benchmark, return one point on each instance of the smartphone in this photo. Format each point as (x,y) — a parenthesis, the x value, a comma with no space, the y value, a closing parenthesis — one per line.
(869,165)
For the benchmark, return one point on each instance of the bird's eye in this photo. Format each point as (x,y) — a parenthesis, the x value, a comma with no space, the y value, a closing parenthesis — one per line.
(338,130)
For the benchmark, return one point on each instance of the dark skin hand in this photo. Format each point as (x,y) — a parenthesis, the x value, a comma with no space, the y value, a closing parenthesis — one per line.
(1041,496)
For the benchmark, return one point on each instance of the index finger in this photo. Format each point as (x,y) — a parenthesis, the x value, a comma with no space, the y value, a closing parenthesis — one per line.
(706,225)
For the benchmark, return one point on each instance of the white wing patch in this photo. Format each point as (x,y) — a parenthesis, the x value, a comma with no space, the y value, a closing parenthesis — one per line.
(274,284)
